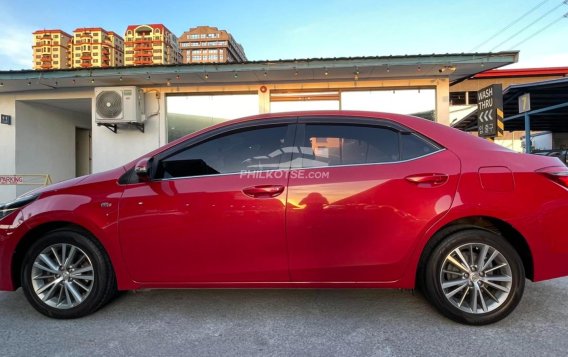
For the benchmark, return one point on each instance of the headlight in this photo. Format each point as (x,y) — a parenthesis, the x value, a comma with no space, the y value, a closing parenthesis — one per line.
(7,208)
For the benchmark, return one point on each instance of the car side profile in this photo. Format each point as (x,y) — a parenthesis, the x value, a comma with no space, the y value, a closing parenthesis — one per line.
(331,199)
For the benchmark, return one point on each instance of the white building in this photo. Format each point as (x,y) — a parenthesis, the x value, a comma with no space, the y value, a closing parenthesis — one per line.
(51,117)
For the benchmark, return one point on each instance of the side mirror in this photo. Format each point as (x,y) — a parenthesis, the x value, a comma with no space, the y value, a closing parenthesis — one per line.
(142,170)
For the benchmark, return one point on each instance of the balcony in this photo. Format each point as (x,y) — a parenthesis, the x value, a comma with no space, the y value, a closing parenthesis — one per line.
(86,56)
(86,64)
(143,54)
(143,40)
(46,65)
(143,48)
(143,61)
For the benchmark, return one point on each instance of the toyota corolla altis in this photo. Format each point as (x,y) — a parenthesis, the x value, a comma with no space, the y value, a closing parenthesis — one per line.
(298,200)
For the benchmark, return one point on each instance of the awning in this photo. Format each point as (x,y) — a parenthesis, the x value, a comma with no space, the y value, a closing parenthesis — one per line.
(549,106)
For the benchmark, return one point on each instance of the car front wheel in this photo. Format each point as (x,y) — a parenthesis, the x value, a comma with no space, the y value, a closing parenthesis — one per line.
(475,277)
(66,274)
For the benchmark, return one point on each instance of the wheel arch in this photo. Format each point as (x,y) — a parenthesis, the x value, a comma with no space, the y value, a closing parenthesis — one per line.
(33,235)
(492,224)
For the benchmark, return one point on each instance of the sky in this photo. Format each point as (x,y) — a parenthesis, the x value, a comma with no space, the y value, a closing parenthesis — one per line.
(270,30)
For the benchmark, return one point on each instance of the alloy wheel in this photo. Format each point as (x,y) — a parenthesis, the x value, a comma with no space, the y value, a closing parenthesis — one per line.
(62,276)
(476,278)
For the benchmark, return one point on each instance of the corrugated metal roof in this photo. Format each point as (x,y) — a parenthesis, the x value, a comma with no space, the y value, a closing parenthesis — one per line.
(417,59)
(454,67)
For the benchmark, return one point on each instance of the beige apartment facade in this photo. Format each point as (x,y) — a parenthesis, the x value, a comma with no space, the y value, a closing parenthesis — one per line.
(205,44)
(96,47)
(152,44)
(51,49)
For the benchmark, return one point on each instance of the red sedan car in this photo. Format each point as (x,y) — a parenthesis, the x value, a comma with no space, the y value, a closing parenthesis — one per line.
(296,200)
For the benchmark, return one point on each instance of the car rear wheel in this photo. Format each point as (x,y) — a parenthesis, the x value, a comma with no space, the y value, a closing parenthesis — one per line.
(66,274)
(475,277)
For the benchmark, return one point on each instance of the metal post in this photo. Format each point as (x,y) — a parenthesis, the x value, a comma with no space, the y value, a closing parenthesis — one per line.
(527,133)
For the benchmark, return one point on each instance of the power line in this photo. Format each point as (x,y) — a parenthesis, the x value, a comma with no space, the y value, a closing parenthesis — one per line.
(508,26)
(541,30)
(529,25)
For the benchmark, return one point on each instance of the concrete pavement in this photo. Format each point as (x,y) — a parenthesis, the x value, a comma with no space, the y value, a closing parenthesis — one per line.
(285,323)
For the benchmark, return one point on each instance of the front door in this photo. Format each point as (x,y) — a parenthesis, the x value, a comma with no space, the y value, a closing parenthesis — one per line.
(215,211)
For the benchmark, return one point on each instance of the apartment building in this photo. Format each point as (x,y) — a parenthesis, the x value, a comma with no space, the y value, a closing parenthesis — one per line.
(205,44)
(51,49)
(150,44)
(96,47)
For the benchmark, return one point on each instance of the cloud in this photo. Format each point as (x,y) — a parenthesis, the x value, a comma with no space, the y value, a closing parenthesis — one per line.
(16,48)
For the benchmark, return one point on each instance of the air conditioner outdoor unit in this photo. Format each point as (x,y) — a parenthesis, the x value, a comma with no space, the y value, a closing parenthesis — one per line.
(118,105)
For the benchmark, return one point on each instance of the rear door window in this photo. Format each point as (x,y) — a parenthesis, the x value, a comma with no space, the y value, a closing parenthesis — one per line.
(323,145)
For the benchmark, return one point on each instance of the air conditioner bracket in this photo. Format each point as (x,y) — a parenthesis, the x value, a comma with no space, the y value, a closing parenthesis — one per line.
(114,127)
(139,126)
(111,127)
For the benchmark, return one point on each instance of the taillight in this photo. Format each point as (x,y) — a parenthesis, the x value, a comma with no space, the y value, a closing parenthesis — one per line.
(558,174)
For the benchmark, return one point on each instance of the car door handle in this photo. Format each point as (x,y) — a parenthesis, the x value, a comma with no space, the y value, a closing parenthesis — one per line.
(263,191)
(428,179)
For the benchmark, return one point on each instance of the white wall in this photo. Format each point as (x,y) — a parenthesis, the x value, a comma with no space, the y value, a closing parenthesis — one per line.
(45,141)
(541,141)
(7,147)
(8,132)
(112,150)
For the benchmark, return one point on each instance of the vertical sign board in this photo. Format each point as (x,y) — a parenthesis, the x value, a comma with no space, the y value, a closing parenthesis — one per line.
(525,103)
(490,111)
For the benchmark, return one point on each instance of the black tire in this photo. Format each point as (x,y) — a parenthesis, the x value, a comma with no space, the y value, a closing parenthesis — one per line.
(459,307)
(102,286)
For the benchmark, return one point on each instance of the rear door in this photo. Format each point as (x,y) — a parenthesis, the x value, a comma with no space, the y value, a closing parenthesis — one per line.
(359,195)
